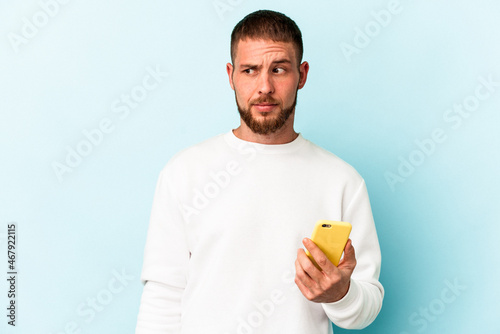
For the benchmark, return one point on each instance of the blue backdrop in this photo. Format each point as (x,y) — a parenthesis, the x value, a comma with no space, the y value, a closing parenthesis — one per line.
(96,96)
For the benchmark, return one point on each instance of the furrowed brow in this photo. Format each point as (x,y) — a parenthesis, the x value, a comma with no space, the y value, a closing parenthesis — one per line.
(282,61)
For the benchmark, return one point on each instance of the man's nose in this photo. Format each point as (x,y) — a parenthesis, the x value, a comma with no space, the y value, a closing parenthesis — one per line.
(265,84)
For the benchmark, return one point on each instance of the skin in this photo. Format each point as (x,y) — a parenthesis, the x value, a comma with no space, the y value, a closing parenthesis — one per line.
(268,70)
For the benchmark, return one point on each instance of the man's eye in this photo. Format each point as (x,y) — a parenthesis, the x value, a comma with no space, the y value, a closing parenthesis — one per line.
(279,70)
(249,71)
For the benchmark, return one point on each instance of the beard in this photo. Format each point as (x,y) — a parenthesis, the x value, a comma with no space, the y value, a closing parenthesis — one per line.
(269,124)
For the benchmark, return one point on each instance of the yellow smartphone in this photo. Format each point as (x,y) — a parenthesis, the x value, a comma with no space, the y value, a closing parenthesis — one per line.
(331,237)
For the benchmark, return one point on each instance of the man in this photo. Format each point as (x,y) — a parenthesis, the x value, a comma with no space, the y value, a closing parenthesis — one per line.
(230,213)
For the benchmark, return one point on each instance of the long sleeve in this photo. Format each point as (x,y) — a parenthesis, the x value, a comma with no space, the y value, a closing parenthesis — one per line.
(160,310)
(362,303)
(165,263)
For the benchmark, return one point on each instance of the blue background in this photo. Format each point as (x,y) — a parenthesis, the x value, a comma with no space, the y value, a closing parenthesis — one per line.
(79,231)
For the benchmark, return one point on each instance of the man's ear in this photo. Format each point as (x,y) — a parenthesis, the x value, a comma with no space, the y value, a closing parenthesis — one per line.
(229,69)
(303,70)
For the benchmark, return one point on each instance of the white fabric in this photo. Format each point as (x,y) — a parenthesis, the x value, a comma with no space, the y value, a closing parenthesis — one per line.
(228,217)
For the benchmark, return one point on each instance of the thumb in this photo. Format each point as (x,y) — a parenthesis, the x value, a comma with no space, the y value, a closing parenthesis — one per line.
(349,259)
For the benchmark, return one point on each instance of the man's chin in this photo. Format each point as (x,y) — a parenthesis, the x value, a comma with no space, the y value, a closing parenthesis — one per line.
(265,126)
(264,116)
(265,123)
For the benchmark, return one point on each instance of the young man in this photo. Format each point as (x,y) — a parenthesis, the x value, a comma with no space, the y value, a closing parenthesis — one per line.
(230,213)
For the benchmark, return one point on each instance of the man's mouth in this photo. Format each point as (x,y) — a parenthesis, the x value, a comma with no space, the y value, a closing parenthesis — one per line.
(264,107)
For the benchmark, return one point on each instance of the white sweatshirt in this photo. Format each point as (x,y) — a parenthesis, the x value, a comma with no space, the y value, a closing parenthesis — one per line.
(228,217)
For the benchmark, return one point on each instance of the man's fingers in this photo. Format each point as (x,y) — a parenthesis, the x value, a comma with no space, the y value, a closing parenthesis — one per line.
(304,263)
(307,285)
(300,274)
(318,256)
(305,269)
(332,283)
(306,291)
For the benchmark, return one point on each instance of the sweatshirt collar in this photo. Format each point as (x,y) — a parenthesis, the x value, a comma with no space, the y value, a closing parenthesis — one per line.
(241,144)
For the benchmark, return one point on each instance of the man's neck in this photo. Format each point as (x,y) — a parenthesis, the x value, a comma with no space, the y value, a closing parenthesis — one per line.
(282,136)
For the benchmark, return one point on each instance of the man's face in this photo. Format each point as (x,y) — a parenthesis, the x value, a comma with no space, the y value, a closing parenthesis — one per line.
(265,78)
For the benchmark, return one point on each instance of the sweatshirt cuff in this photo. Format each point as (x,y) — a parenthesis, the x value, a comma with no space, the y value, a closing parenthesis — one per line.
(356,310)
(346,302)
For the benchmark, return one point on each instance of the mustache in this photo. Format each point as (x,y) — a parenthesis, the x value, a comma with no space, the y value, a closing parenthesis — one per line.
(265,99)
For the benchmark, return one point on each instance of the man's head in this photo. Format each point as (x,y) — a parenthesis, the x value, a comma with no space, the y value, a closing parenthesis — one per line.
(267,25)
(266,50)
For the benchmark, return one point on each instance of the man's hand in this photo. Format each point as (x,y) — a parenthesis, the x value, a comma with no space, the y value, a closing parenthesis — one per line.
(329,285)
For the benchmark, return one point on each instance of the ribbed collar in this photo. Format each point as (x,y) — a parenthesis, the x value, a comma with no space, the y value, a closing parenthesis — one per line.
(241,144)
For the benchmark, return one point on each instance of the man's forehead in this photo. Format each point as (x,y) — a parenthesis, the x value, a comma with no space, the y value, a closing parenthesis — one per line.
(257,48)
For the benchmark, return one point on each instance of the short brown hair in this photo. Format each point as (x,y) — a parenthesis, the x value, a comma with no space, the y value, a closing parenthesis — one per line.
(267,24)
